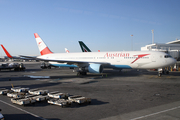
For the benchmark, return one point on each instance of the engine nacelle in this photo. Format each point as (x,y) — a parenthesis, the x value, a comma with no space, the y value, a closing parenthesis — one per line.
(95,68)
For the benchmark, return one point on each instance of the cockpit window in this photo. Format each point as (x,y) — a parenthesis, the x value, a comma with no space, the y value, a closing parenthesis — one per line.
(167,56)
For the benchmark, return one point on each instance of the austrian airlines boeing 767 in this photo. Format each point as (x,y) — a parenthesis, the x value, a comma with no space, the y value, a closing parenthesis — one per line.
(94,62)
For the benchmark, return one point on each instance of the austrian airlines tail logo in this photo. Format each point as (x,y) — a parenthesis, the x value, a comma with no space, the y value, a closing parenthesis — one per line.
(138,57)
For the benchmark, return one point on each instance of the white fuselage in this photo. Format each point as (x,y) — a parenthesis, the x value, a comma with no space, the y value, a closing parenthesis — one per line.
(119,59)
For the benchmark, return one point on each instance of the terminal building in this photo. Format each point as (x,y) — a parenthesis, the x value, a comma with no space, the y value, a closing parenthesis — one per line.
(172,48)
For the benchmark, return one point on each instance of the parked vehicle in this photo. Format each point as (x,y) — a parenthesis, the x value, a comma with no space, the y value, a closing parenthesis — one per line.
(12,66)
(1,116)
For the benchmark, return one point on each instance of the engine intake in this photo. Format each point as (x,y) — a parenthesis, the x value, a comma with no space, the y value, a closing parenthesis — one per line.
(95,68)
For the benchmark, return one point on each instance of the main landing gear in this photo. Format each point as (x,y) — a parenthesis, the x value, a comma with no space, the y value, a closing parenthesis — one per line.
(81,73)
(162,71)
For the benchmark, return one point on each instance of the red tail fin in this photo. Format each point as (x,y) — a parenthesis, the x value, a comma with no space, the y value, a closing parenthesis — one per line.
(41,45)
(7,53)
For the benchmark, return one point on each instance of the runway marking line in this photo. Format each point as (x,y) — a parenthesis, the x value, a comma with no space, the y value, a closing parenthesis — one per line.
(163,111)
(23,110)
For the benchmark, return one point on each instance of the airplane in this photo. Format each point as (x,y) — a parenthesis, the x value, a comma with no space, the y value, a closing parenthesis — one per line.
(16,57)
(43,65)
(94,62)
(7,53)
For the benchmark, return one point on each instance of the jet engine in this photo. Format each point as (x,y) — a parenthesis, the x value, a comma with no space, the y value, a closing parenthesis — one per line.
(95,68)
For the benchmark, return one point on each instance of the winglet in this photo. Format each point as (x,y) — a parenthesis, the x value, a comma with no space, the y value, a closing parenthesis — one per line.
(41,45)
(7,53)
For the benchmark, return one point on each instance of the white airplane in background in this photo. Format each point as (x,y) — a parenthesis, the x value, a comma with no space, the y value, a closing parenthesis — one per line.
(7,53)
(94,62)
(17,57)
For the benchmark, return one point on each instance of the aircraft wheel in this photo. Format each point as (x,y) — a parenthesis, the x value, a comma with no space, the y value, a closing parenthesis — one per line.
(84,73)
(159,74)
(78,73)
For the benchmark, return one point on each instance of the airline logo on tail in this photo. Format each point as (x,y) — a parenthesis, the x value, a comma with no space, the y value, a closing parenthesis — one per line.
(84,47)
(41,45)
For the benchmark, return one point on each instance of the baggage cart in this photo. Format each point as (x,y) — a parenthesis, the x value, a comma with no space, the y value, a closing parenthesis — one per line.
(21,101)
(38,92)
(57,94)
(60,102)
(19,89)
(79,99)
(4,91)
(16,94)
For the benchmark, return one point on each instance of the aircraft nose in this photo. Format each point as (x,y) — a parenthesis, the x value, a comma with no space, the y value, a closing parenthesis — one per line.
(173,61)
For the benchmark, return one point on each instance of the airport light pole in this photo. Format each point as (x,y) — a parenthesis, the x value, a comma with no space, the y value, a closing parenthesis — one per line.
(131,42)
(152,36)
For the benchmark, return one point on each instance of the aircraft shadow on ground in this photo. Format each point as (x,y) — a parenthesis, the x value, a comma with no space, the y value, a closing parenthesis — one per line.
(93,102)
(109,73)
(13,78)
(33,86)
(21,117)
(27,70)
(73,105)
(173,73)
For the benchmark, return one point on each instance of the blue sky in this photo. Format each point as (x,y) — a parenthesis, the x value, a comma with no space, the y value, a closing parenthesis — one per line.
(104,25)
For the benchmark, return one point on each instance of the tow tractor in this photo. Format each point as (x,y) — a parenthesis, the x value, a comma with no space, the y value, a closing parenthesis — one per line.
(45,65)
(10,66)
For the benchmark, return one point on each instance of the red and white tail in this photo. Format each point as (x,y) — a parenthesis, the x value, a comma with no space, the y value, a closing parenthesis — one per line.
(66,50)
(7,53)
(41,45)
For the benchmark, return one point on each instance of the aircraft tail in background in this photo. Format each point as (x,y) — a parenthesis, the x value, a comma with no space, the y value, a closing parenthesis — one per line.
(66,50)
(84,48)
(7,53)
(42,46)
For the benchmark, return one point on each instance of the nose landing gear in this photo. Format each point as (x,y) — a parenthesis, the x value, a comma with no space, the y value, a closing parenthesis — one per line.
(162,71)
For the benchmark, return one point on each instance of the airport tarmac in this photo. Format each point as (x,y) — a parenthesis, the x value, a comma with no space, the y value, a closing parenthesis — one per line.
(130,94)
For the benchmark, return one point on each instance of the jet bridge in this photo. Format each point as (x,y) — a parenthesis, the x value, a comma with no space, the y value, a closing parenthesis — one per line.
(172,48)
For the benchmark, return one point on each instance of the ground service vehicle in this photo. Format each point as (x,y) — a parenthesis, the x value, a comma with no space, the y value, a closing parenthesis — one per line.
(1,116)
(60,102)
(12,66)
(38,92)
(57,94)
(4,91)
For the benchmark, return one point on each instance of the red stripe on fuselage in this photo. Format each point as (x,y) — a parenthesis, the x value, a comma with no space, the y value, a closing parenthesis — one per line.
(45,51)
(139,56)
